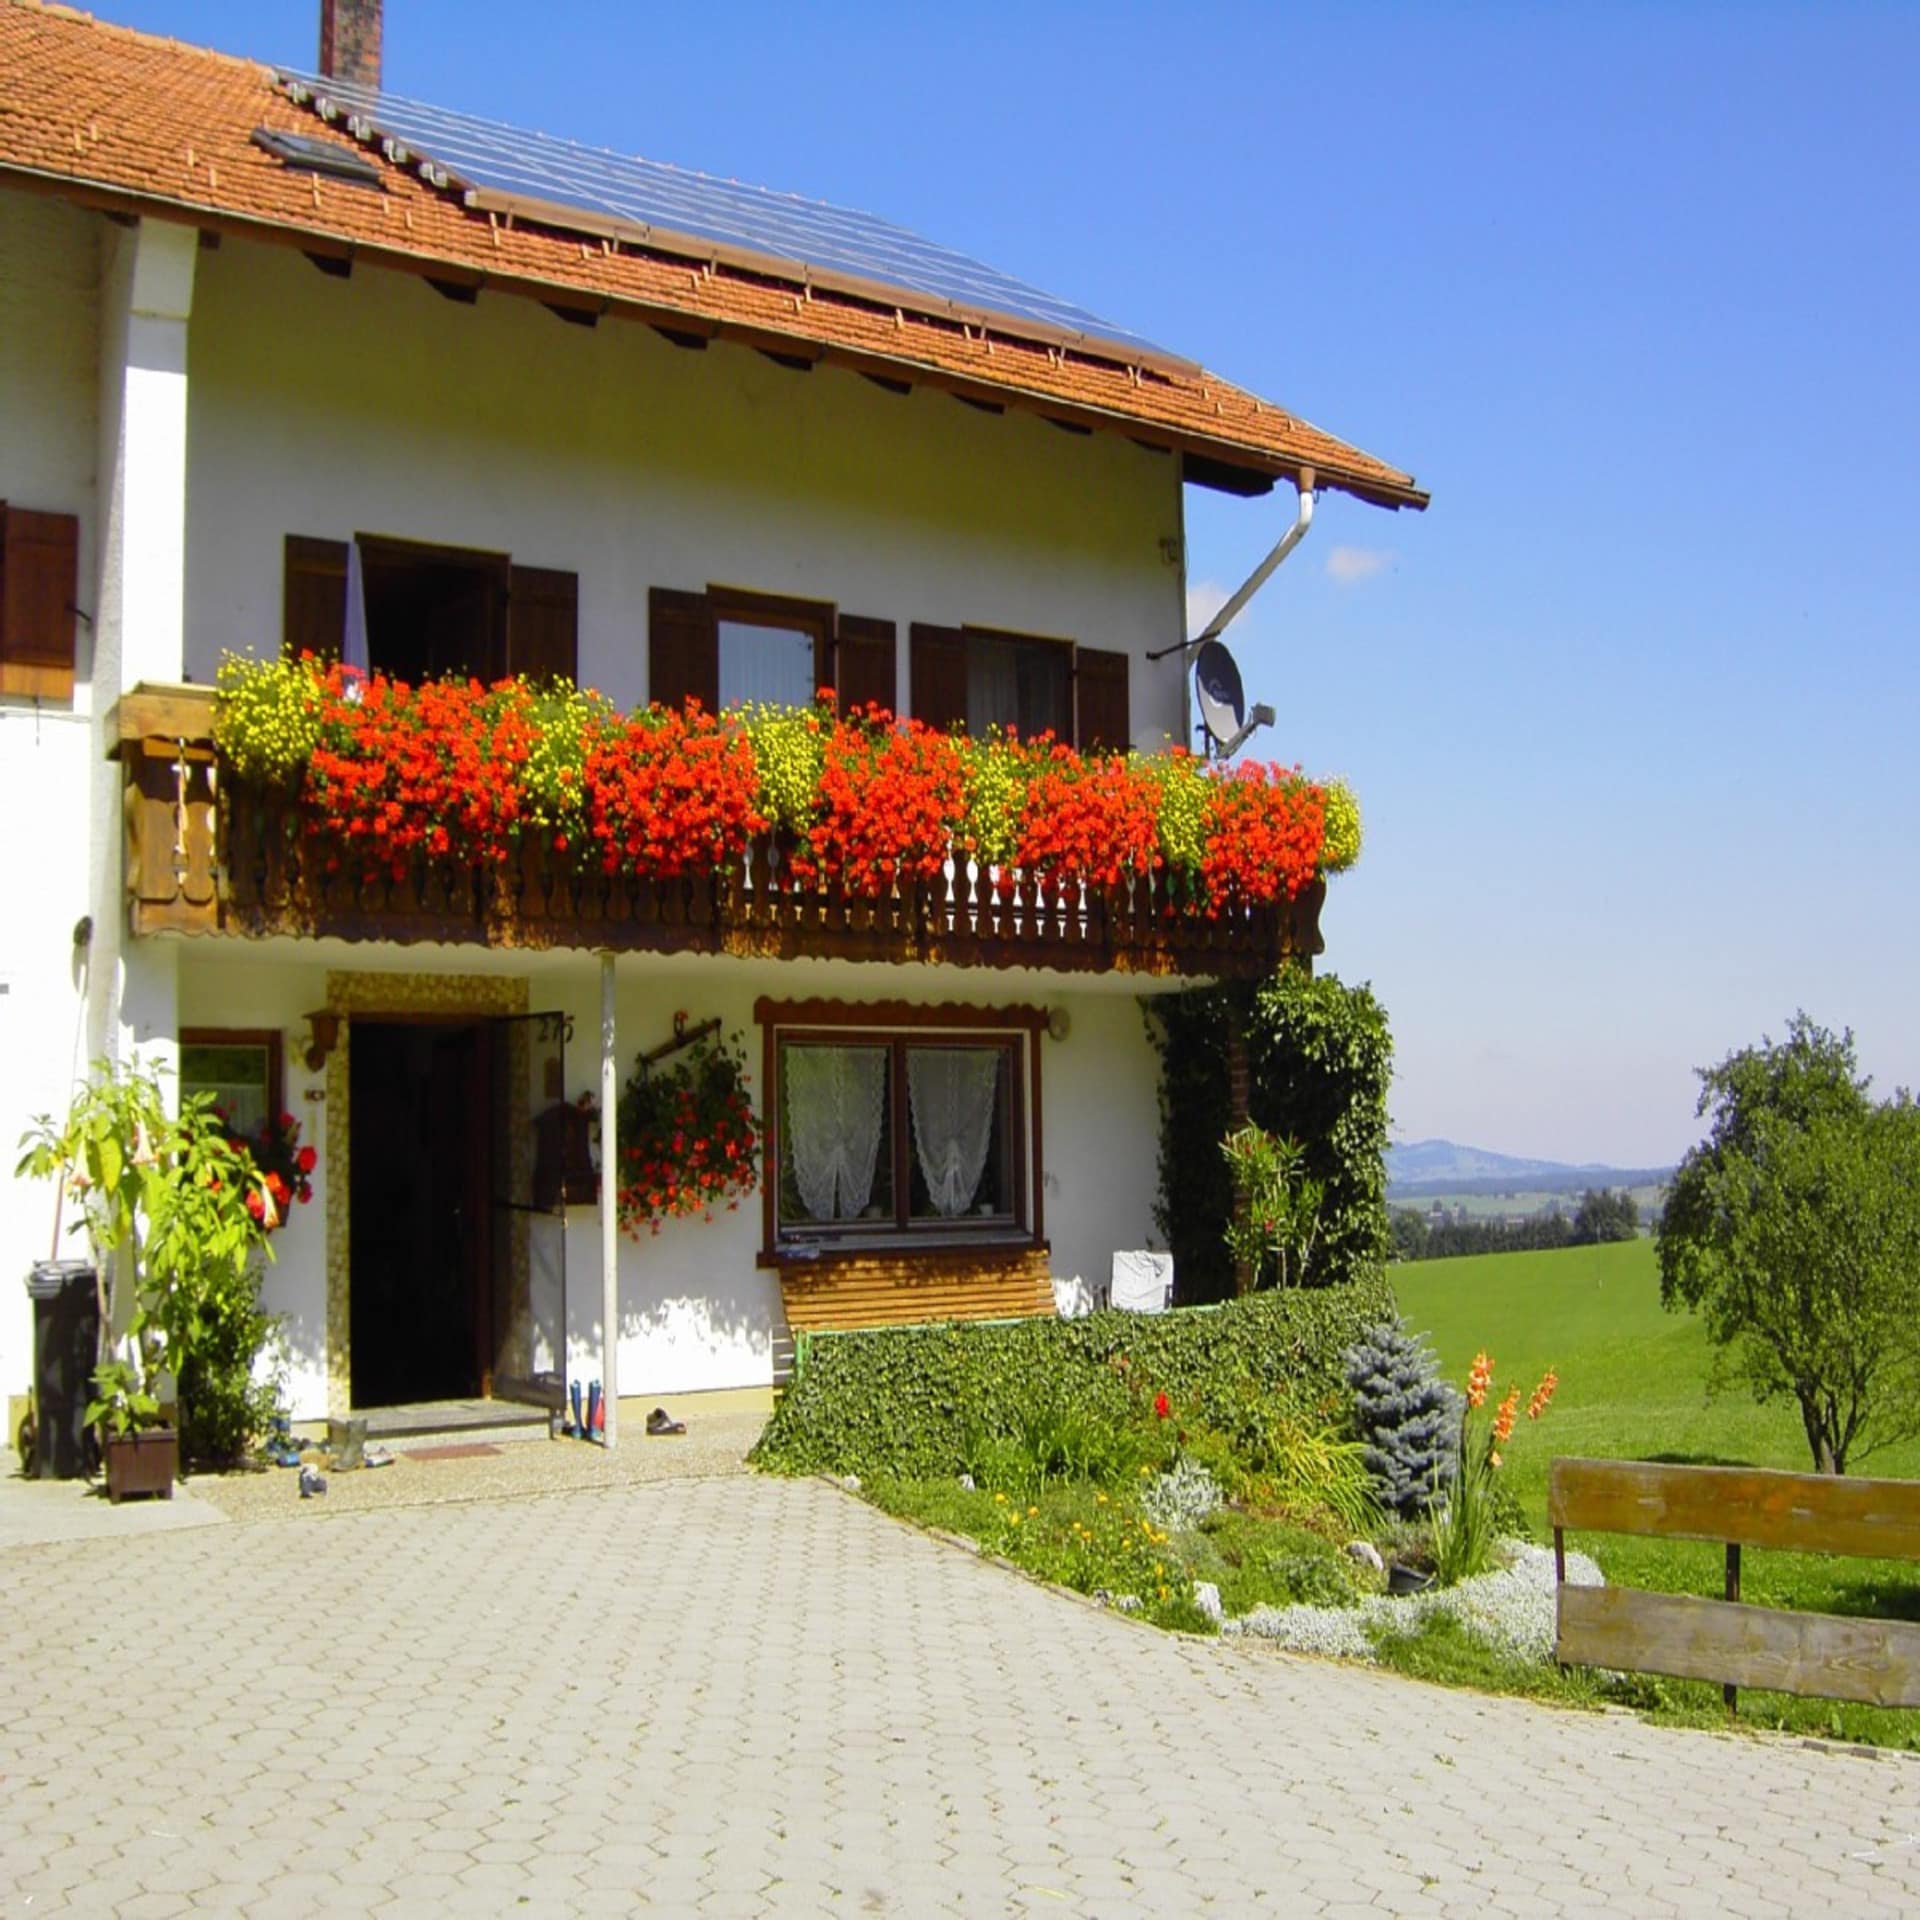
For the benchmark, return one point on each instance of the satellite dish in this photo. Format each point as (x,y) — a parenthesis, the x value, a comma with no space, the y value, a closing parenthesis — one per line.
(1217,688)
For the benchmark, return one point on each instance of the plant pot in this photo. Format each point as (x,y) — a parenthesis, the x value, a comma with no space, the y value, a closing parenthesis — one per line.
(145,1461)
(1405,1580)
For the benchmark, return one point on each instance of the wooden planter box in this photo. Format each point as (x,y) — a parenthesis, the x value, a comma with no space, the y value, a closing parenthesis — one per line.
(143,1462)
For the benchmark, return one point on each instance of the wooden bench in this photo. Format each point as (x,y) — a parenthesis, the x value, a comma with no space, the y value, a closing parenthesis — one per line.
(1836,1658)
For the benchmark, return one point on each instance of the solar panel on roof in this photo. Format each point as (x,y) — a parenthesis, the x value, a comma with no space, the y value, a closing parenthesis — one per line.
(499,164)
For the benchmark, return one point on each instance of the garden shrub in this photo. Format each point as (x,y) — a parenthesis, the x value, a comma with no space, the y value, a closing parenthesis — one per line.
(1181,1497)
(930,1401)
(1407,1417)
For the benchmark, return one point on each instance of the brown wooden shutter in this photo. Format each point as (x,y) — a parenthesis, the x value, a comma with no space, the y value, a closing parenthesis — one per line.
(39,587)
(683,655)
(1100,689)
(937,673)
(543,623)
(866,662)
(313,605)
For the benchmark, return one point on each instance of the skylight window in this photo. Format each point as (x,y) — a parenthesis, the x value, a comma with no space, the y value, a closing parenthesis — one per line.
(318,156)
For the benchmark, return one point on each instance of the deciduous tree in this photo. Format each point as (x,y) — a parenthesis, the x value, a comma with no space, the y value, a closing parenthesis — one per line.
(1793,1229)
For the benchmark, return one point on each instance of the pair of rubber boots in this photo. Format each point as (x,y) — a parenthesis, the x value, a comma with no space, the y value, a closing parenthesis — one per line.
(594,1425)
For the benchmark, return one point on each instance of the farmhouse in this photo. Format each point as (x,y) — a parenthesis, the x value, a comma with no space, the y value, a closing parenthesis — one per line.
(290,365)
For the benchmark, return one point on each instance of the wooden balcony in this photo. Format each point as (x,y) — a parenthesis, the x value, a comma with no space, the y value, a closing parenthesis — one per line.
(206,854)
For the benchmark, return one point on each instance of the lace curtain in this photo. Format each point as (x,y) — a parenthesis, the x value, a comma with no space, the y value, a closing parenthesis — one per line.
(836,1113)
(951,1091)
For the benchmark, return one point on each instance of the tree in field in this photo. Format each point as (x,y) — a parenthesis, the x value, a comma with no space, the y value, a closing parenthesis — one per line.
(1793,1229)
(1604,1216)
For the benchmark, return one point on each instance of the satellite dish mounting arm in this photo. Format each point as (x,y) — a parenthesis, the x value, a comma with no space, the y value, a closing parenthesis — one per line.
(1258,578)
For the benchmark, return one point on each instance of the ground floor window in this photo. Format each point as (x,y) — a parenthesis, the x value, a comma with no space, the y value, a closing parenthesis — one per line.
(877,1132)
(240,1068)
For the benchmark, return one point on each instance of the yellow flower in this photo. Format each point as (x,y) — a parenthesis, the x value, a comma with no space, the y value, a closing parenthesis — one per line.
(1001,1497)
(1145,1470)
(1014,1518)
(1032,1511)
(1099,1499)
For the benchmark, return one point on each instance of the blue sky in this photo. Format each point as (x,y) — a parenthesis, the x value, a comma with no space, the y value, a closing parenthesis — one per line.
(1632,710)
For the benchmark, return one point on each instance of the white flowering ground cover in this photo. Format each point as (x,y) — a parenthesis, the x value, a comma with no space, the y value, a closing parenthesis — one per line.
(1510,1609)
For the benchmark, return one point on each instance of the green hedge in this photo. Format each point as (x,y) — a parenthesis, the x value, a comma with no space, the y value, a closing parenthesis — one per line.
(917,1401)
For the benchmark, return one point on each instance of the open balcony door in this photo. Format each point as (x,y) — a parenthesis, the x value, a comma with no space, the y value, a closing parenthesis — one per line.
(538,1146)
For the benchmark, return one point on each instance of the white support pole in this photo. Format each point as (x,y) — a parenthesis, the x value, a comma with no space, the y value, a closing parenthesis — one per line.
(609,1205)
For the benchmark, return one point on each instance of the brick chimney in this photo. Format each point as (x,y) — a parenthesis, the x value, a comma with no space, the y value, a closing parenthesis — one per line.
(350,41)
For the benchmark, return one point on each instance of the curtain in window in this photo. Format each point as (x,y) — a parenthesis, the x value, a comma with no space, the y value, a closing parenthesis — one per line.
(993,685)
(771,664)
(951,1091)
(836,1113)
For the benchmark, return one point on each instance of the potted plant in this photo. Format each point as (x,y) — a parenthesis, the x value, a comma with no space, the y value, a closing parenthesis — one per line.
(175,1212)
(140,1447)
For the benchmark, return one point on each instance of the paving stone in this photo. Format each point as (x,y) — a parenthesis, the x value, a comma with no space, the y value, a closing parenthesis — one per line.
(739,1696)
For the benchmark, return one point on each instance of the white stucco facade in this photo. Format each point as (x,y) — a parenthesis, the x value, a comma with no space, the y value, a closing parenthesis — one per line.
(193,406)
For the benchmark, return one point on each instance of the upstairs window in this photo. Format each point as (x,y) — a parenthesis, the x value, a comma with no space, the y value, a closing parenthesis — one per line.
(432,610)
(1023,684)
(726,646)
(972,677)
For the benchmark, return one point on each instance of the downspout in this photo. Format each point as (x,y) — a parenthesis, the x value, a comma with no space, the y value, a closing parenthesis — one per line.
(1261,574)
(1258,578)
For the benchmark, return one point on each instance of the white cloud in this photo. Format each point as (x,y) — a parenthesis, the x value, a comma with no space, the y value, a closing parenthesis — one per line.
(1205,598)
(1348,566)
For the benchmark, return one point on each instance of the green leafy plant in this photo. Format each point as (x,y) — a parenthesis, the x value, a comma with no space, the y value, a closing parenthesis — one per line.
(1320,1062)
(174,1211)
(1276,1216)
(121,1403)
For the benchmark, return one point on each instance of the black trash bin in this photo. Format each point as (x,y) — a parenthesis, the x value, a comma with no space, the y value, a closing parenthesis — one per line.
(66,1347)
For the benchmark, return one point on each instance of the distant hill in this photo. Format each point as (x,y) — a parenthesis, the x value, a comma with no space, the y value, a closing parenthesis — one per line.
(1442,1166)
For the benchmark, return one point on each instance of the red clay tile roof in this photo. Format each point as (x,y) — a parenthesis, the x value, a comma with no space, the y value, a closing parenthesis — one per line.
(136,124)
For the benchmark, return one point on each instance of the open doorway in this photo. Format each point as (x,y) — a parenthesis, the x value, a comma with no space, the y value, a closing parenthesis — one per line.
(420,1245)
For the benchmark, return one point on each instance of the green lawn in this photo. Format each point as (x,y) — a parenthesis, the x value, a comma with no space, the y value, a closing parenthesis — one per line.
(1633,1386)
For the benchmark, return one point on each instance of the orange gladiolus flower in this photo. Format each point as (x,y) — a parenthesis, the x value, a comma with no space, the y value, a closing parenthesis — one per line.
(1479,1379)
(1542,1394)
(1503,1420)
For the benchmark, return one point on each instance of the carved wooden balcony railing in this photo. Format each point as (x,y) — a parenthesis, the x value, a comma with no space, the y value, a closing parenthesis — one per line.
(207,854)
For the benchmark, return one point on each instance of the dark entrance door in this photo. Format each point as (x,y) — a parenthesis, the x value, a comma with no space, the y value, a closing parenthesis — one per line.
(419,1246)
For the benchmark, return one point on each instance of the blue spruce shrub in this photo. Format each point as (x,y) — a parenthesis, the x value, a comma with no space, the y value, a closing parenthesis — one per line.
(1406,1415)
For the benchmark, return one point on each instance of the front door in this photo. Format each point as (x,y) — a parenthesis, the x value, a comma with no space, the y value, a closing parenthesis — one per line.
(420,1247)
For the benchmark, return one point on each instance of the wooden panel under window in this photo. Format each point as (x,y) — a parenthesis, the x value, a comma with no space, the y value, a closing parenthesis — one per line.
(905,1286)
(313,604)
(683,656)
(937,674)
(39,587)
(866,663)
(543,623)
(1100,698)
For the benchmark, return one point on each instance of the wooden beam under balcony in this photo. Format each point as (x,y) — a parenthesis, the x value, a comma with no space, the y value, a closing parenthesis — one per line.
(207,854)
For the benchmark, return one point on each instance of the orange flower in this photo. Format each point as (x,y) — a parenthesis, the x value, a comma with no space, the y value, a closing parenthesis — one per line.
(1542,1394)
(1480,1379)
(1503,1420)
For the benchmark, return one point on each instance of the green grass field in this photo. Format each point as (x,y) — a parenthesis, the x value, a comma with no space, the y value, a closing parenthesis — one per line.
(1633,1386)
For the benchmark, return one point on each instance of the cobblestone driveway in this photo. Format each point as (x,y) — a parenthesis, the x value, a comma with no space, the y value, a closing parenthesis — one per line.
(739,1696)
